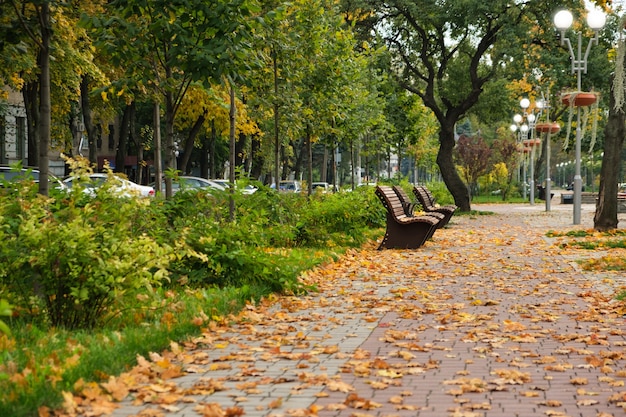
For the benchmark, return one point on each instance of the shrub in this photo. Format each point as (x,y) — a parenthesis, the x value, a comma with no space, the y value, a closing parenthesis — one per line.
(341,219)
(79,260)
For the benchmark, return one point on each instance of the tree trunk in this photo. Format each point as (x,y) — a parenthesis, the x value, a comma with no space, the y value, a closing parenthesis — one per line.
(241,144)
(189,142)
(540,162)
(44,100)
(86,112)
(231,168)
(257,161)
(299,150)
(122,146)
(212,144)
(324,168)
(451,177)
(309,152)
(30,93)
(157,147)
(168,155)
(276,121)
(606,210)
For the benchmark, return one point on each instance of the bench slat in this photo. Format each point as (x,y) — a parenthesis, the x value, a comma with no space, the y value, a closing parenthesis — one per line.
(426,198)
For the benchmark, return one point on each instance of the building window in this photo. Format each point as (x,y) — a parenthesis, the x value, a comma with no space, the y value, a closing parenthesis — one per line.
(20,137)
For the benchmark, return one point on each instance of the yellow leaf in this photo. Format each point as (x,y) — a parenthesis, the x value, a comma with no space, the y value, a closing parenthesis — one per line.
(389,373)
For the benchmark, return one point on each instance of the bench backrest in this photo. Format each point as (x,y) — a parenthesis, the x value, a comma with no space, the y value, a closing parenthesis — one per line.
(407,204)
(402,195)
(422,195)
(390,201)
(430,196)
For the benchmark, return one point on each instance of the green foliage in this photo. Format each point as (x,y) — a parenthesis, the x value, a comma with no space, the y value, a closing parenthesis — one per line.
(5,311)
(88,252)
(80,259)
(341,219)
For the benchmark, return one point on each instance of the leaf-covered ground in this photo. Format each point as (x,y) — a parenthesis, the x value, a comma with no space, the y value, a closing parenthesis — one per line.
(490,318)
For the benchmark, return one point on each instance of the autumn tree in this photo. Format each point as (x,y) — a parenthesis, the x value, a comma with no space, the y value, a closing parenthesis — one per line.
(507,150)
(171,45)
(473,155)
(446,52)
(33,19)
(312,84)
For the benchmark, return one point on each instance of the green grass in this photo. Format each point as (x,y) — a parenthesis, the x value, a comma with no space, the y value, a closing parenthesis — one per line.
(496,199)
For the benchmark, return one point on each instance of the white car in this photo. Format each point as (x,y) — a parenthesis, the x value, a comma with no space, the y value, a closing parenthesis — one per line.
(323,187)
(121,186)
(185,183)
(248,189)
(289,186)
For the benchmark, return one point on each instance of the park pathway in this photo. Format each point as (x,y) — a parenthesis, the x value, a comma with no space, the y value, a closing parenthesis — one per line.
(490,318)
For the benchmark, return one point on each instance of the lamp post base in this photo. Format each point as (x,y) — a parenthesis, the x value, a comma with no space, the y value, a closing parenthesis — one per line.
(578,186)
(548,193)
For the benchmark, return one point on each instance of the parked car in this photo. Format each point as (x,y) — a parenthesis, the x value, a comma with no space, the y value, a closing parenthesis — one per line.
(119,185)
(289,186)
(183,183)
(11,173)
(247,189)
(323,187)
(621,191)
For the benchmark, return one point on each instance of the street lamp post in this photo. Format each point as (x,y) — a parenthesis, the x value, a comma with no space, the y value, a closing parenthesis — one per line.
(528,139)
(522,132)
(532,121)
(563,20)
(548,128)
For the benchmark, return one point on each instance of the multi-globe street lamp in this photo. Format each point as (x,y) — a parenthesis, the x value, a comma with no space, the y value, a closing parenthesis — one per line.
(547,129)
(563,20)
(532,122)
(522,135)
(528,140)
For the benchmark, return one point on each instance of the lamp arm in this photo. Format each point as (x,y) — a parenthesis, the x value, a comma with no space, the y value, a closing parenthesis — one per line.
(565,40)
(593,40)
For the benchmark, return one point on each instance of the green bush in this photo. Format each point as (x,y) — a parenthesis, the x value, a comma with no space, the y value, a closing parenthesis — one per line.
(340,219)
(87,252)
(6,311)
(79,260)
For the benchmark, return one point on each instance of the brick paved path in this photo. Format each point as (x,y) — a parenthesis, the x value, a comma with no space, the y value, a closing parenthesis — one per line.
(488,319)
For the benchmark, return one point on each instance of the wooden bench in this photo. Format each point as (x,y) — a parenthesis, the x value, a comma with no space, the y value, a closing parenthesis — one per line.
(427,200)
(409,206)
(403,232)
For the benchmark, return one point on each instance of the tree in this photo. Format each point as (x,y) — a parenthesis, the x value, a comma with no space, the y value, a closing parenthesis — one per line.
(508,155)
(34,19)
(605,217)
(314,85)
(173,44)
(447,51)
(474,156)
